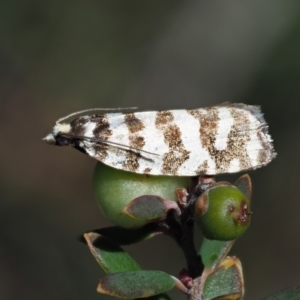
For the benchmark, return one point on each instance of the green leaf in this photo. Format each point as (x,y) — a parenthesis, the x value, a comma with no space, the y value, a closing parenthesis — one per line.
(110,256)
(138,284)
(123,236)
(225,281)
(149,208)
(288,294)
(146,207)
(244,184)
(213,251)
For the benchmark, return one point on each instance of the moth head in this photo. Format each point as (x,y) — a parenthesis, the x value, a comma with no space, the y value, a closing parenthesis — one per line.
(59,136)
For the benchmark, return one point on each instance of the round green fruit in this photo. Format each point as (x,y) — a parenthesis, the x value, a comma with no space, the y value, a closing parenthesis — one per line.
(116,188)
(223,212)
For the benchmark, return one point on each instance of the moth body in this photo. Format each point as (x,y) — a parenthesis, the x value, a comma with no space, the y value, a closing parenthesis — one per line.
(221,139)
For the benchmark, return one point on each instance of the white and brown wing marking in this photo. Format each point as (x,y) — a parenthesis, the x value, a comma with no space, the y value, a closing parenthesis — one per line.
(221,139)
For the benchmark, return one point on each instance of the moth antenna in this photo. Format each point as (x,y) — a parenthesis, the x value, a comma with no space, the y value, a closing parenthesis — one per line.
(114,144)
(92,109)
(121,146)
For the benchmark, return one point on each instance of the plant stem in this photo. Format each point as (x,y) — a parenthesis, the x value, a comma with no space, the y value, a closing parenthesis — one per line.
(187,242)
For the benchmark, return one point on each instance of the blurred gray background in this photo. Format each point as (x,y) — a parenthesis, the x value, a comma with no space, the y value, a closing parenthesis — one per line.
(57,57)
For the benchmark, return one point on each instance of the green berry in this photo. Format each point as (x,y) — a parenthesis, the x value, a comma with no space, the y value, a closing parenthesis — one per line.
(223,212)
(116,188)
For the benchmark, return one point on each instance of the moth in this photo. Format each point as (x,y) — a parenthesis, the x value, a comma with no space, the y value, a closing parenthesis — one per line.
(227,138)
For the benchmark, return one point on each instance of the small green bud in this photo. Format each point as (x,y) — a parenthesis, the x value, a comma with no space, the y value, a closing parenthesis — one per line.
(116,188)
(223,212)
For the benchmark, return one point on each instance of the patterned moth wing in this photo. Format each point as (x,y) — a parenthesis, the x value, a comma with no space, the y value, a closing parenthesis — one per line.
(220,139)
